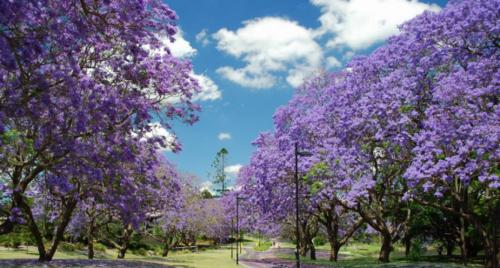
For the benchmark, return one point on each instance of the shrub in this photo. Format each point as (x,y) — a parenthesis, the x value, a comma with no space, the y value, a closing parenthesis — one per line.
(16,243)
(100,247)
(141,252)
(417,250)
(319,240)
(67,247)
(79,246)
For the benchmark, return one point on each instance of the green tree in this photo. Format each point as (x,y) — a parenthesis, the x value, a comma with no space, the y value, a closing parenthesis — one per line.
(220,175)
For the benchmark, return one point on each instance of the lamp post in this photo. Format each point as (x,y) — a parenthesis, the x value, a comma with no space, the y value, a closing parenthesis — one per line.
(297,231)
(238,198)
(232,237)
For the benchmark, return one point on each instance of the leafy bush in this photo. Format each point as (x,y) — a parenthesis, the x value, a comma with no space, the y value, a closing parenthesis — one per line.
(417,250)
(67,247)
(16,243)
(141,252)
(79,246)
(319,240)
(100,247)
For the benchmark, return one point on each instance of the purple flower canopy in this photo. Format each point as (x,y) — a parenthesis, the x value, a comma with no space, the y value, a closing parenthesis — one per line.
(418,116)
(81,85)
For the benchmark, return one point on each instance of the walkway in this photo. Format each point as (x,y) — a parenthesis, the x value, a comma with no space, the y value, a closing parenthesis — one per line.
(269,258)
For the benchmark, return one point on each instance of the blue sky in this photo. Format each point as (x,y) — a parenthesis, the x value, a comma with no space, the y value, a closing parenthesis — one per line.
(250,54)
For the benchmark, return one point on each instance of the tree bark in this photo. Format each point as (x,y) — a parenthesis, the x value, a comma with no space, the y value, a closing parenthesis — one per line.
(166,250)
(90,237)
(463,241)
(386,248)
(61,228)
(127,233)
(312,250)
(407,242)
(35,231)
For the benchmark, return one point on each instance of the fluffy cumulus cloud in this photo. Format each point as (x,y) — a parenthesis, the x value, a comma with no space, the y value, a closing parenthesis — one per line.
(269,48)
(233,170)
(203,37)
(224,136)
(181,48)
(358,24)
(209,90)
(332,62)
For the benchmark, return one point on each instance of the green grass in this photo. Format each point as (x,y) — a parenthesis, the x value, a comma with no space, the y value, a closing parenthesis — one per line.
(220,258)
(358,255)
(262,245)
(370,262)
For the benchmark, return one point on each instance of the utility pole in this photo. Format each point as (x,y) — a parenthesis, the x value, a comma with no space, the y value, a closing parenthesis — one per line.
(297,231)
(237,227)
(232,237)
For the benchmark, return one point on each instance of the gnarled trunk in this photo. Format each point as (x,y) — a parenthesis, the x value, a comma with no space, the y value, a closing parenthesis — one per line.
(385,250)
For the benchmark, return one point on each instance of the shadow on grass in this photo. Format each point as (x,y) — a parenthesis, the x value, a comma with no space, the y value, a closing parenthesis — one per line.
(368,262)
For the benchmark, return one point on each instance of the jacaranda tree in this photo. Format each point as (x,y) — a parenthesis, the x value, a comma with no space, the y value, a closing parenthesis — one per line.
(415,122)
(80,83)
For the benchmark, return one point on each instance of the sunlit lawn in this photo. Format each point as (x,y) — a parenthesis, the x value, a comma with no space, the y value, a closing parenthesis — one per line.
(352,256)
(220,258)
(360,255)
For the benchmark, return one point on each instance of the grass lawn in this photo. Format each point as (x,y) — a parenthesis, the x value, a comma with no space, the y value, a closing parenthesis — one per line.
(357,255)
(220,258)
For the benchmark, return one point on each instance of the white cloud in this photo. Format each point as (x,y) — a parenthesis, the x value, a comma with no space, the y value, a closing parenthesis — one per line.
(157,130)
(269,47)
(359,24)
(180,48)
(332,62)
(209,90)
(233,169)
(224,136)
(203,37)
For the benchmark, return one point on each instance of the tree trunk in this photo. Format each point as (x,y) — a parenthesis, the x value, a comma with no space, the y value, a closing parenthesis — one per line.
(492,256)
(334,243)
(61,228)
(463,241)
(385,250)
(166,250)
(407,242)
(450,245)
(35,231)
(91,249)
(127,233)
(90,237)
(312,251)
(334,253)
